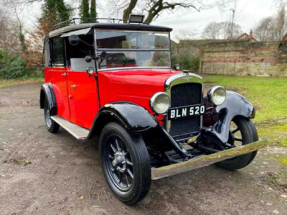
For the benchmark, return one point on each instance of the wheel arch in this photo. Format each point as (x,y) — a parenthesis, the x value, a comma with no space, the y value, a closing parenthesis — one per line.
(235,105)
(48,92)
(131,116)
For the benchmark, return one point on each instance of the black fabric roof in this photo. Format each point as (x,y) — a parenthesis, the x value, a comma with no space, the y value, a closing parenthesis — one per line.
(109,26)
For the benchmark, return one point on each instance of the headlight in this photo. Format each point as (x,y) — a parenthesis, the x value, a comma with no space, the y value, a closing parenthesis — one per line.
(160,103)
(217,95)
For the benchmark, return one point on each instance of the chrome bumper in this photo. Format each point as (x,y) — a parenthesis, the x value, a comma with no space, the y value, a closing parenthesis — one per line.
(205,160)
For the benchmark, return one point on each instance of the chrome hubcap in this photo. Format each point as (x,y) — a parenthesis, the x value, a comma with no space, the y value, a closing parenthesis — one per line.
(120,162)
(48,118)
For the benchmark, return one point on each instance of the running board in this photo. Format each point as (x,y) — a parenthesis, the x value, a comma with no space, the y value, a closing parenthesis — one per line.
(78,132)
(205,160)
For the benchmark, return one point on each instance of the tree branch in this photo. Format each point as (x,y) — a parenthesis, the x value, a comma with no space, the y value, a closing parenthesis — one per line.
(129,10)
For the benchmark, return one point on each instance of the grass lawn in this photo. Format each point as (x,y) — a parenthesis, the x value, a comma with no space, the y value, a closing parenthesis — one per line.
(268,95)
(27,80)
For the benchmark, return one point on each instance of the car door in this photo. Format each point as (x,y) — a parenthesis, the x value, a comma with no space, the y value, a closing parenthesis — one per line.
(83,97)
(57,76)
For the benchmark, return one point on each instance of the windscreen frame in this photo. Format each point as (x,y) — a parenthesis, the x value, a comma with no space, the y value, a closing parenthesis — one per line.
(99,50)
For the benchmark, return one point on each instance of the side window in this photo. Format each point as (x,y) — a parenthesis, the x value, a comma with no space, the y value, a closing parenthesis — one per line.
(76,54)
(46,57)
(58,52)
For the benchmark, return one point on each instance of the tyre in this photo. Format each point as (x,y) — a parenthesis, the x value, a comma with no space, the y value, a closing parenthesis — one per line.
(242,132)
(125,163)
(52,126)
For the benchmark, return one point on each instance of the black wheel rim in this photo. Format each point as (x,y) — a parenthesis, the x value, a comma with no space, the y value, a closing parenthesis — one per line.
(235,136)
(118,163)
(48,118)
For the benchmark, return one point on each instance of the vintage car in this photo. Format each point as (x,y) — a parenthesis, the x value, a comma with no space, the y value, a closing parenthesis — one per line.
(114,81)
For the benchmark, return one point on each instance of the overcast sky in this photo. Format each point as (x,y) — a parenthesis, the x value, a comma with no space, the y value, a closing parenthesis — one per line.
(248,13)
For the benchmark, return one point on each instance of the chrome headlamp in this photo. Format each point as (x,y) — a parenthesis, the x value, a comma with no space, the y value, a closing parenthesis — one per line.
(160,103)
(216,95)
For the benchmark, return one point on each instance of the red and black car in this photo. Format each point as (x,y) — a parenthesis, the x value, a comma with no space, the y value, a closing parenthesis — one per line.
(114,81)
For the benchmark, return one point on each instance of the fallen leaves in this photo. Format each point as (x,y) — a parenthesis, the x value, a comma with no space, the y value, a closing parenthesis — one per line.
(19,162)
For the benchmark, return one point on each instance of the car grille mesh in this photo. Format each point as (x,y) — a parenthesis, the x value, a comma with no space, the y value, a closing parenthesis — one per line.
(184,95)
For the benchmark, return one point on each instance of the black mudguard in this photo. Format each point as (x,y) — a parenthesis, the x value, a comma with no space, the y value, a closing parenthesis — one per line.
(133,117)
(48,92)
(234,105)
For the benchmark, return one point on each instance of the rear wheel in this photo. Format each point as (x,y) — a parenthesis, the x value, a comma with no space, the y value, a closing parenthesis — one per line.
(52,126)
(125,163)
(242,132)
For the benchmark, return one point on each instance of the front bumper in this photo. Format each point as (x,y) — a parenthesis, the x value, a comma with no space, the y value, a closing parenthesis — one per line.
(206,160)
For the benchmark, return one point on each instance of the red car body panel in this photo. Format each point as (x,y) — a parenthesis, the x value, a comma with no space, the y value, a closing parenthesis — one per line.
(77,96)
(83,98)
(57,77)
(133,85)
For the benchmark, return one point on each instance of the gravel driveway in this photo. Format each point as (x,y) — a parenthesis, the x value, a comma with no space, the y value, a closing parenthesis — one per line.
(43,173)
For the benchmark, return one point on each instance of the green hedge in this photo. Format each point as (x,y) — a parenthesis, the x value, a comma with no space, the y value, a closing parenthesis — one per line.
(187,61)
(12,66)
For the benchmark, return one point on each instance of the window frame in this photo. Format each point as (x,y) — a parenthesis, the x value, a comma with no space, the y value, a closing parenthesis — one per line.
(99,50)
(53,64)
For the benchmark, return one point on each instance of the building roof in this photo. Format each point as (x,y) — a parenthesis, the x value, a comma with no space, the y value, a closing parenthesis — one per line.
(138,27)
(246,36)
(285,37)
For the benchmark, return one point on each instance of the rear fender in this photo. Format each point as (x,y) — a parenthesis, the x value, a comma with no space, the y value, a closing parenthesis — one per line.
(234,105)
(48,92)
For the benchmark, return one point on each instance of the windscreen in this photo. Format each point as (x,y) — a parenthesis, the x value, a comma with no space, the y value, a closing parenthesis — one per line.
(133,48)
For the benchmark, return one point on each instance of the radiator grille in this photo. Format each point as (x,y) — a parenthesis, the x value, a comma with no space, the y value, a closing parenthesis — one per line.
(184,95)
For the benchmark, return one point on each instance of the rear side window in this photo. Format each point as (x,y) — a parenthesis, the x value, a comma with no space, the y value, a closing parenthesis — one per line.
(47,50)
(58,52)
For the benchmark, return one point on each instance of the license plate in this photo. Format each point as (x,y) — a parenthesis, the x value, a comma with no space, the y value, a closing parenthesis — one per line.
(186,111)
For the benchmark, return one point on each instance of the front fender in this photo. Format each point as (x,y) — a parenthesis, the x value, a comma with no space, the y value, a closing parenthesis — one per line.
(48,92)
(132,116)
(234,105)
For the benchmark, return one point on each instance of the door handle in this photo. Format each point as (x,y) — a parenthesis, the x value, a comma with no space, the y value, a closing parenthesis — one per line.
(64,74)
(74,86)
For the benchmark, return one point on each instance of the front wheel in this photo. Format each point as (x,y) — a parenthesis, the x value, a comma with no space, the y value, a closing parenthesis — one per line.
(125,163)
(242,132)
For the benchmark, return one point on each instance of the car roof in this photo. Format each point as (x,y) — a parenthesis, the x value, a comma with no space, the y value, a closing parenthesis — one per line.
(121,26)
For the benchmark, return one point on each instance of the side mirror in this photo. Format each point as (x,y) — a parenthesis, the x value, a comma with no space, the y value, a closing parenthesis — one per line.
(176,67)
(74,40)
(103,55)
(88,59)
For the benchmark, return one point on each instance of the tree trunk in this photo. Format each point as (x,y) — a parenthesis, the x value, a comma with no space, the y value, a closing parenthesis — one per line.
(128,10)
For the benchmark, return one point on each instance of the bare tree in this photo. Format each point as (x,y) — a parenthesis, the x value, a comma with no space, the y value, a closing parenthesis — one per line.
(272,28)
(264,30)
(221,30)
(154,8)
(187,34)
(213,31)
(9,34)
(281,22)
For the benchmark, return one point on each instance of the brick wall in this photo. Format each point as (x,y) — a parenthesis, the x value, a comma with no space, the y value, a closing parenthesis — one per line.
(244,58)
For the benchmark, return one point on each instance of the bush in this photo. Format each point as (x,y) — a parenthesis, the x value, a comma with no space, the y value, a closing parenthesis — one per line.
(187,61)
(13,66)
